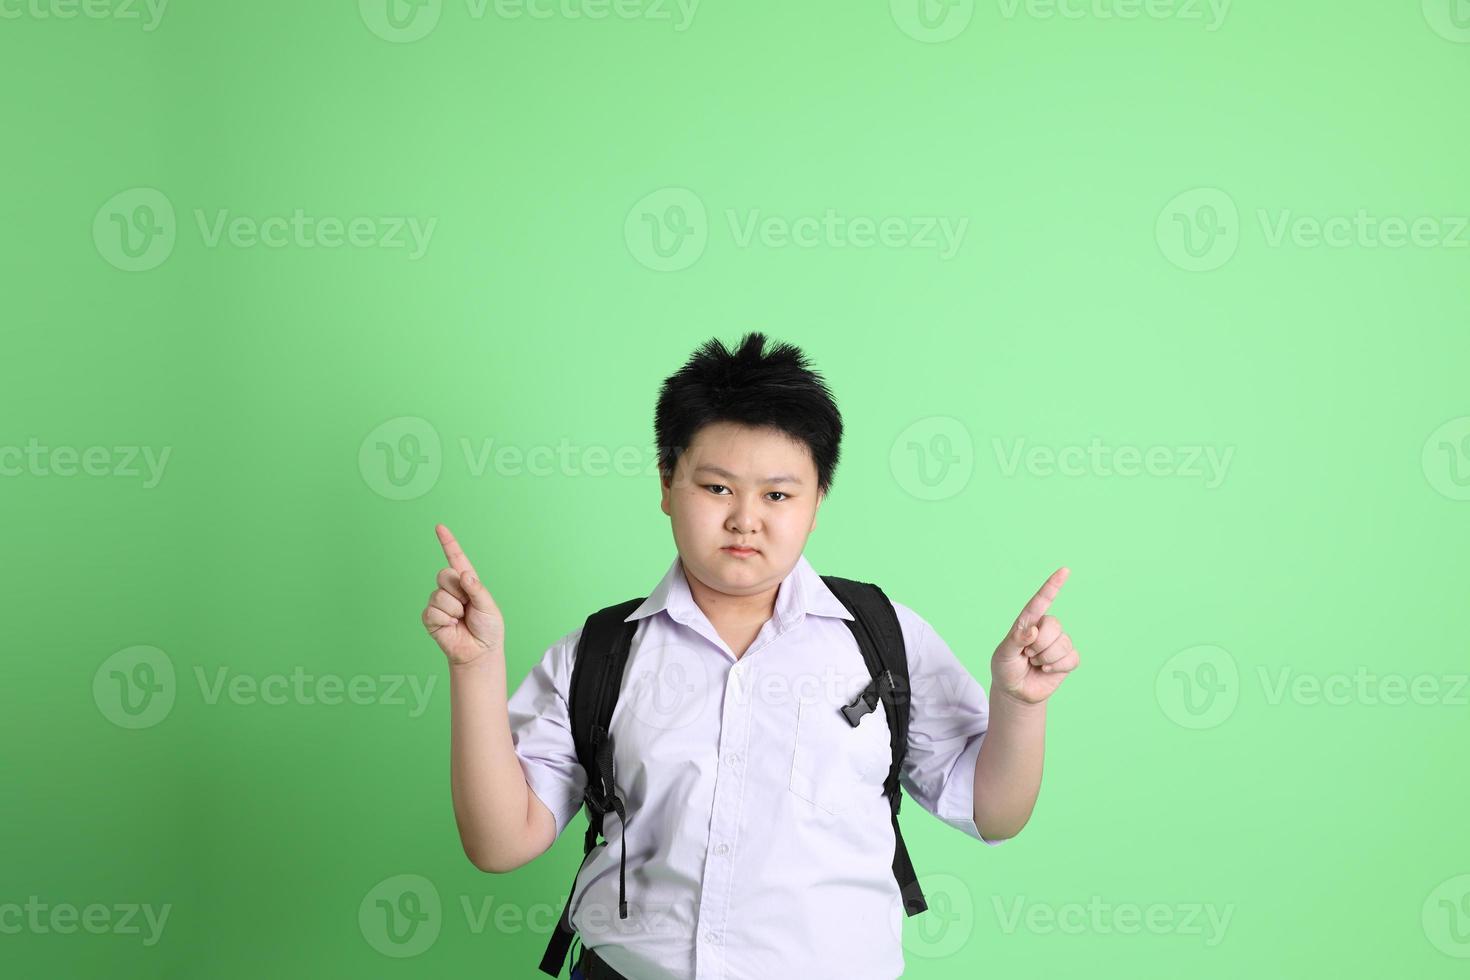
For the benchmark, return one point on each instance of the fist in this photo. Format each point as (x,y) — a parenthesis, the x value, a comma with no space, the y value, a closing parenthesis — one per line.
(461,616)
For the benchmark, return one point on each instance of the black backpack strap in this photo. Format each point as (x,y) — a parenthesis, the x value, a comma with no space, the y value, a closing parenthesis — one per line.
(880,637)
(597,678)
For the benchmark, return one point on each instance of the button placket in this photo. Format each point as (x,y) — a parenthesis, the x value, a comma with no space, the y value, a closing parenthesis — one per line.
(715,889)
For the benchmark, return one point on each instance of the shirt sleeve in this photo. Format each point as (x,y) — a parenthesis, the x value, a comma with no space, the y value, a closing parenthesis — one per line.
(948,717)
(541,730)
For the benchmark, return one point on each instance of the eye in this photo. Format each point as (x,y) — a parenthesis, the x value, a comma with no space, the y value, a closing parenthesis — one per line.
(712,486)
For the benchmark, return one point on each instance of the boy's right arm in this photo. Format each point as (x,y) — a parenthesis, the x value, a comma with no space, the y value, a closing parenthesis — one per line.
(502,823)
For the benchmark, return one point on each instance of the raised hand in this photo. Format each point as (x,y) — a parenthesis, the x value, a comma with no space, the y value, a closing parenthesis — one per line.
(461,616)
(1034,658)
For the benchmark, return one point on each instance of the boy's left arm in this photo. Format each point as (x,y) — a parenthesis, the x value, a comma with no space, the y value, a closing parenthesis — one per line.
(1027,668)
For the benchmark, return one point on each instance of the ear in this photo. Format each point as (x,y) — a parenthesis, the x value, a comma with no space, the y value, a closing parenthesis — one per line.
(665,493)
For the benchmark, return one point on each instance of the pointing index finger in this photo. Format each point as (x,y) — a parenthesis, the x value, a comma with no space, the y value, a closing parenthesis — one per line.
(1038,604)
(453,551)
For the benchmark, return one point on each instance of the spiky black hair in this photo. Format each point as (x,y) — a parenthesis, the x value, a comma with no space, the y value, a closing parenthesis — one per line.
(776,389)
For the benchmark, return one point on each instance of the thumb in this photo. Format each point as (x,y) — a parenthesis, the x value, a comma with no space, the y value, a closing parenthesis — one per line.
(1020,635)
(482,618)
(479,596)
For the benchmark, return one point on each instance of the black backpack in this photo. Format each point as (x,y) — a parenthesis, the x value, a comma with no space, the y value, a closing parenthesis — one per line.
(597,673)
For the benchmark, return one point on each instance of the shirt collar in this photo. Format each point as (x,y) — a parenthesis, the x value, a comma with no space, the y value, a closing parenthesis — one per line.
(802,591)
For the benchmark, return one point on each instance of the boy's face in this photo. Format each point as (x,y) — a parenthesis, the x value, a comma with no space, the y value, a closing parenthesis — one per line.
(722,495)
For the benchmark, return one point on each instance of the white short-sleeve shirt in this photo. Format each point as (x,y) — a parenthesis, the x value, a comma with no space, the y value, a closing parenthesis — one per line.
(759,842)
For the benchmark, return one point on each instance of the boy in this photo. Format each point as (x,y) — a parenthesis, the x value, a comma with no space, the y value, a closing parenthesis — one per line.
(756,839)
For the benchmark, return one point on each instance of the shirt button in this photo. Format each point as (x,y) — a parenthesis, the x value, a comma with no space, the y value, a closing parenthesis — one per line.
(734,758)
(712,937)
(722,849)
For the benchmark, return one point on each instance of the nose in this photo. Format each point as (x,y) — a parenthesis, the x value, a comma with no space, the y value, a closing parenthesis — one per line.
(742,518)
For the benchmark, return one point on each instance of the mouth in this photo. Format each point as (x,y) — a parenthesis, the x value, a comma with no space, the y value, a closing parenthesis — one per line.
(739,552)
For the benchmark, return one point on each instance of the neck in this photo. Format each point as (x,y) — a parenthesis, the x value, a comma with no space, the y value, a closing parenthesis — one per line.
(722,607)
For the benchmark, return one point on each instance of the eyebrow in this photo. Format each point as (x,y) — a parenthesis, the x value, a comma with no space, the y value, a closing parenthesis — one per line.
(778,478)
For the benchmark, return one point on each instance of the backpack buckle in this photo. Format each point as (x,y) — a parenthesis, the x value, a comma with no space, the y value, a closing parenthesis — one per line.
(867,700)
(597,804)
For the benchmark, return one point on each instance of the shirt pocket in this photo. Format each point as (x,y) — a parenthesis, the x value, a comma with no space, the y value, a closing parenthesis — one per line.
(835,765)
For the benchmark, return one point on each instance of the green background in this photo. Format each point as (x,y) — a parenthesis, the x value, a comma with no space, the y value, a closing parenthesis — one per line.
(1091,157)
